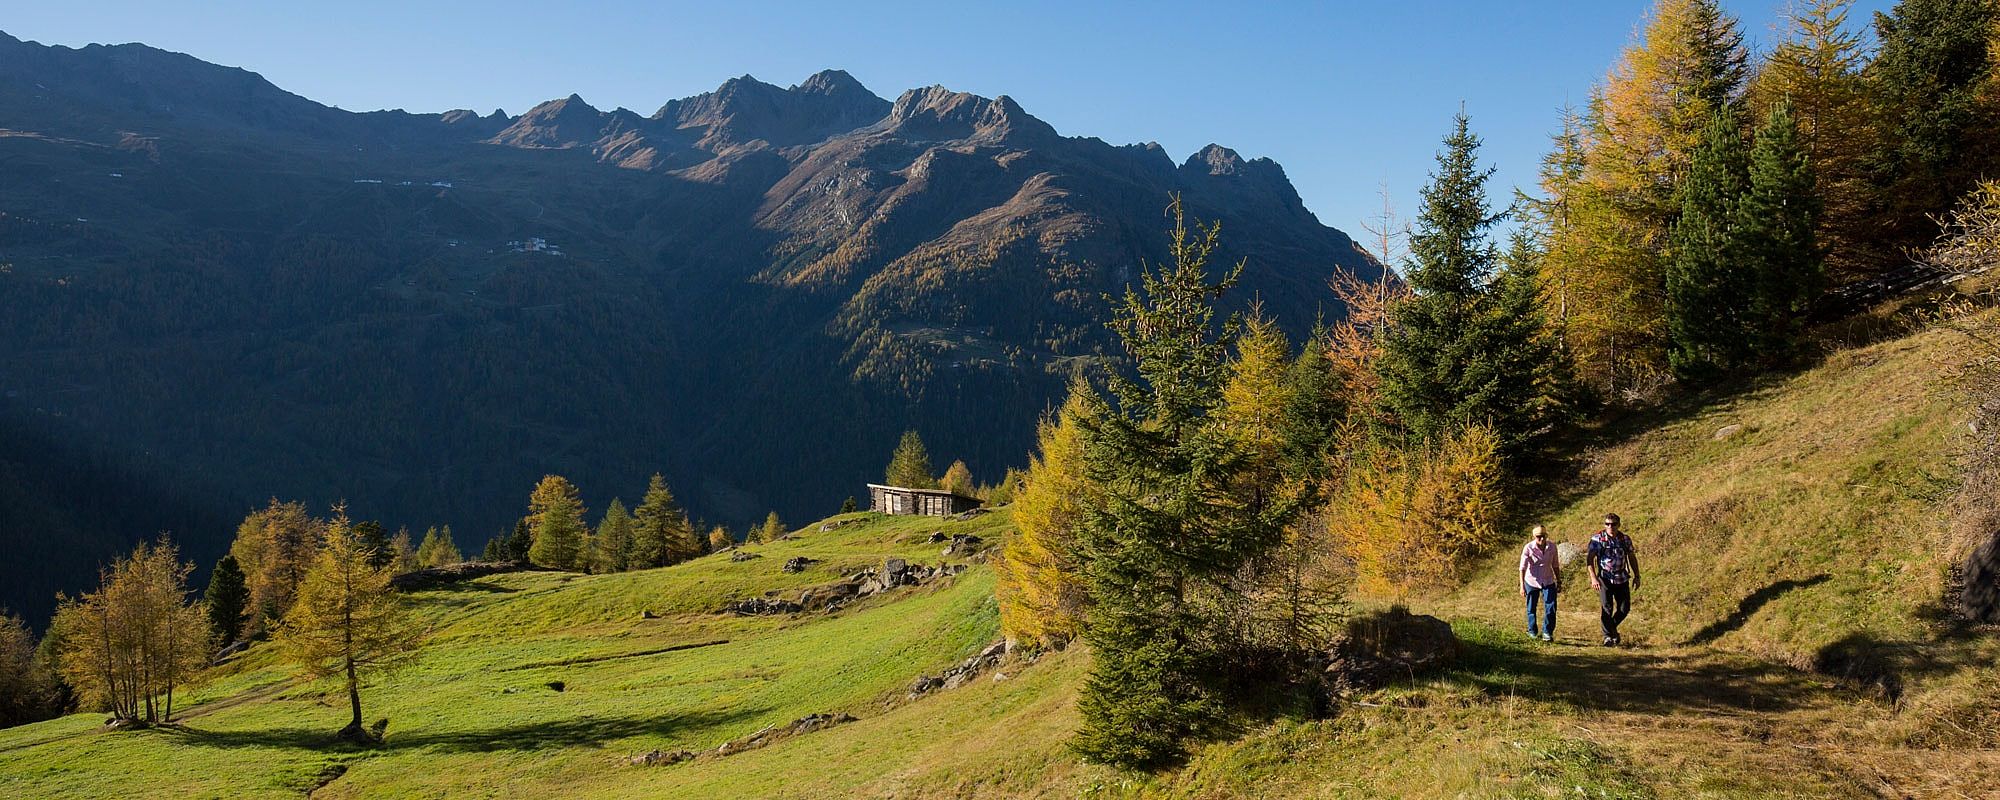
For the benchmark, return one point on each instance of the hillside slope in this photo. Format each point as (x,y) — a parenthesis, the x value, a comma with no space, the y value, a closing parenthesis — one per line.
(245,293)
(1751,675)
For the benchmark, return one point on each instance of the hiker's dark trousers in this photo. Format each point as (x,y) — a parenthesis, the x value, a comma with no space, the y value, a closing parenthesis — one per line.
(1544,596)
(1614,602)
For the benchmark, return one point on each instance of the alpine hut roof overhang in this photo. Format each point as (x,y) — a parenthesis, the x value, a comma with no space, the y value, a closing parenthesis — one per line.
(925,502)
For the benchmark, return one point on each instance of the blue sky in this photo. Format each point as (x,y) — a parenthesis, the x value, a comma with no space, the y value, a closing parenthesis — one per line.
(1345,96)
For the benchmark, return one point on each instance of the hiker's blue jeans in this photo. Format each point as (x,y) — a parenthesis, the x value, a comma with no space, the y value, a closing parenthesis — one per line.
(1546,597)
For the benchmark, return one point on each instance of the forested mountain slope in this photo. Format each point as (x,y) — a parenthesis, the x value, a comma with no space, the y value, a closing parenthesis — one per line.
(238,292)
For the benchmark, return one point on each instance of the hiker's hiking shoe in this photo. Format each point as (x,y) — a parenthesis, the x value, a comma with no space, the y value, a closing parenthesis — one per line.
(1548,637)
(1608,641)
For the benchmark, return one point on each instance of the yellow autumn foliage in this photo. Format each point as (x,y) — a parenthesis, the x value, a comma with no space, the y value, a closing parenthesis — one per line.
(1414,519)
(1042,598)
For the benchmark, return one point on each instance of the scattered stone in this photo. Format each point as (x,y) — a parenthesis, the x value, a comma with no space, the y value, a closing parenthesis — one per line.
(799,563)
(1382,647)
(963,544)
(743,555)
(1727,431)
(648,614)
(761,606)
(660,758)
(937,536)
(815,722)
(509,690)
(963,673)
(1566,553)
(232,649)
(557,685)
(970,513)
(830,597)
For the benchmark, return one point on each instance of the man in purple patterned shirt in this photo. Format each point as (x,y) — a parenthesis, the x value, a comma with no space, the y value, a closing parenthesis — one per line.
(1614,573)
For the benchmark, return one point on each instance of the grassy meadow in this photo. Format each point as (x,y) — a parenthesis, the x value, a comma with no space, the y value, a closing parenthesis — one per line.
(1787,643)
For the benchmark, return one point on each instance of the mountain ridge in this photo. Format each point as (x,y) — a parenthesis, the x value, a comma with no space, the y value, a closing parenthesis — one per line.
(752,290)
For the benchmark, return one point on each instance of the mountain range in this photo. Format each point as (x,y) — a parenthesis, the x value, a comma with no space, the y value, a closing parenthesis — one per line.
(213,292)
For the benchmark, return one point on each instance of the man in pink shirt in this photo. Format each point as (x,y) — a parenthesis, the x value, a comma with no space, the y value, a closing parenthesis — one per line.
(1540,582)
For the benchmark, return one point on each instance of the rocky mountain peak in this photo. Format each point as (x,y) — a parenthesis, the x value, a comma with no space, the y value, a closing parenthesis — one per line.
(745,109)
(565,122)
(937,113)
(833,82)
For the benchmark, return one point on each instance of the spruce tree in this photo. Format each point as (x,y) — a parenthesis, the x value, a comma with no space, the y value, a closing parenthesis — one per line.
(1539,391)
(556,521)
(614,539)
(1932,81)
(375,539)
(910,464)
(1168,532)
(1775,224)
(520,541)
(1708,293)
(1466,347)
(849,506)
(496,550)
(228,599)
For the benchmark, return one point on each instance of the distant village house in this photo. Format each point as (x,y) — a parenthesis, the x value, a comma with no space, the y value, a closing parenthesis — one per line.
(925,502)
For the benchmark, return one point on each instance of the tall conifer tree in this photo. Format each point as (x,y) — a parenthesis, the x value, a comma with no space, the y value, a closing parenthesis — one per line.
(556,522)
(614,539)
(1169,533)
(910,464)
(1468,347)
(228,598)
(661,534)
(1776,223)
(1935,87)
(1817,69)
(1708,286)
(1639,137)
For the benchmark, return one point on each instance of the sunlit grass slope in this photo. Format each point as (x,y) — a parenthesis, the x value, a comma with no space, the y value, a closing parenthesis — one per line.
(476,717)
(1788,645)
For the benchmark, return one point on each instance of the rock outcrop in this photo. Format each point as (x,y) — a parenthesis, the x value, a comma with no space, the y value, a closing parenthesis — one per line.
(961,674)
(1378,648)
(831,597)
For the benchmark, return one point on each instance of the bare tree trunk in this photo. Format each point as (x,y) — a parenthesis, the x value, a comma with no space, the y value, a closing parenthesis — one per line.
(353,729)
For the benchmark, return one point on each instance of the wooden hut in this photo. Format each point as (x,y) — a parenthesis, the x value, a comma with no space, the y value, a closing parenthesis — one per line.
(926,502)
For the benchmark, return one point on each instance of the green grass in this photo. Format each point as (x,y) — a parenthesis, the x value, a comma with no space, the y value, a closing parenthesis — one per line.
(1817,530)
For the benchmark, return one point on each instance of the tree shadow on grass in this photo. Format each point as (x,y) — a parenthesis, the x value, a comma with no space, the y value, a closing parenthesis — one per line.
(1638,681)
(528,736)
(1750,606)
